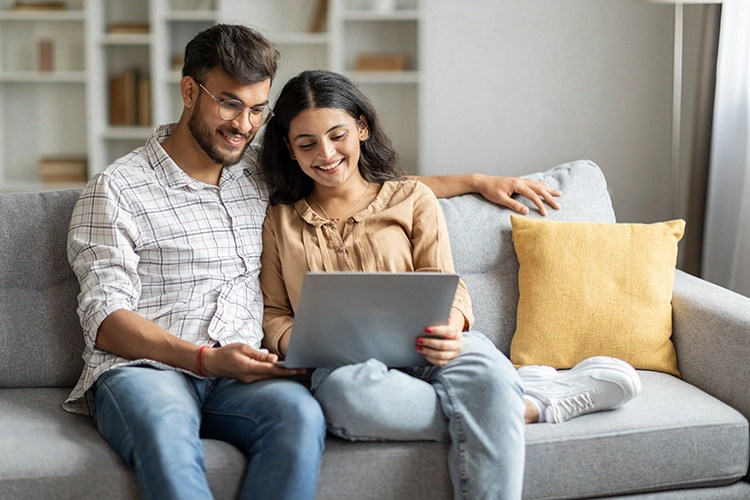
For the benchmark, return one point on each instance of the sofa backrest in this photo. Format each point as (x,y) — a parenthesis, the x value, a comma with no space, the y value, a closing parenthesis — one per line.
(482,244)
(41,341)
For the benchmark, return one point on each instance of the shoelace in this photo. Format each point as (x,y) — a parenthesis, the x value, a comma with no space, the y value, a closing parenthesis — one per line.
(569,407)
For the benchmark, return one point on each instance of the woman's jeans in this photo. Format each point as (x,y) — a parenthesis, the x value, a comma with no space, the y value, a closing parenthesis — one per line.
(475,402)
(155,418)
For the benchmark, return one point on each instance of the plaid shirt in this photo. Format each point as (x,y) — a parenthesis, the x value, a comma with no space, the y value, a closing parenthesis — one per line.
(148,238)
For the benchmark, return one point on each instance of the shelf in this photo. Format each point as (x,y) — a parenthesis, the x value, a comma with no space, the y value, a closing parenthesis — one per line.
(127,133)
(52,15)
(371,15)
(301,38)
(191,15)
(412,77)
(20,187)
(126,39)
(43,76)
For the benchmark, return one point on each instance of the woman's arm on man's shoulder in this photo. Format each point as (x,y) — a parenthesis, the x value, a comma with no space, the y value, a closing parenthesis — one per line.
(495,189)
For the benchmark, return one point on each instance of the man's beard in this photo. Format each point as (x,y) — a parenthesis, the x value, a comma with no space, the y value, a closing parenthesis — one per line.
(205,138)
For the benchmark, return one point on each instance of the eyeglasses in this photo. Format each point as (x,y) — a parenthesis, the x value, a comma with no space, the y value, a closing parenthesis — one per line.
(229,109)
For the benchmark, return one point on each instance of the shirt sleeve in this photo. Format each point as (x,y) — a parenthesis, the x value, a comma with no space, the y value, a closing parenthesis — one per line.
(278,315)
(102,242)
(431,249)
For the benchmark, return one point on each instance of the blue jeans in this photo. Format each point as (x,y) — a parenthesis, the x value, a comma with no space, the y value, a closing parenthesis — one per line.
(475,402)
(155,418)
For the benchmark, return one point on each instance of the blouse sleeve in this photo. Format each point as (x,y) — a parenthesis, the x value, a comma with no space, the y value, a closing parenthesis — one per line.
(278,315)
(431,246)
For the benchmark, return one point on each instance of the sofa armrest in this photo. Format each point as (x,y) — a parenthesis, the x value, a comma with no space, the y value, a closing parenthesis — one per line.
(712,337)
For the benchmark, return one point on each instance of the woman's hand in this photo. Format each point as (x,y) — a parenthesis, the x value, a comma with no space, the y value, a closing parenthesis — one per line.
(441,344)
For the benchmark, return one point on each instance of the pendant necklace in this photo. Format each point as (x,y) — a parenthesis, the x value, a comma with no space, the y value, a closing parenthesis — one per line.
(336,220)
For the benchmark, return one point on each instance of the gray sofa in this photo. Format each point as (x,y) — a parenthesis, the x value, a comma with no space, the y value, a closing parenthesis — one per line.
(679,439)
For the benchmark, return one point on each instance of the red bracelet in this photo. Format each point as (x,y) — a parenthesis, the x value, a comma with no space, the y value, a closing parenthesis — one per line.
(201,368)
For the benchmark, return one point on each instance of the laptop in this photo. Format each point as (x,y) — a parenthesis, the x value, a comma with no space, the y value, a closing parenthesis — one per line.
(349,317)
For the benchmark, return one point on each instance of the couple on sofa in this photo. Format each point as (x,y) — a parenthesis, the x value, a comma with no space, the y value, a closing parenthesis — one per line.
(166,244)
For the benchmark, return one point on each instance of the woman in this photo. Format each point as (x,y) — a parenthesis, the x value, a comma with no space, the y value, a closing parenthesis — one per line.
(339,202)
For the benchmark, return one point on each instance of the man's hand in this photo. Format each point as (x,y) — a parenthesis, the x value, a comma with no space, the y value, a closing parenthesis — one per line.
(242,362)
(495,189)
(500,189)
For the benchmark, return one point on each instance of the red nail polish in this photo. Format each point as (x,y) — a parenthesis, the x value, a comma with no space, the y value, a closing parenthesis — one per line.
(420,341)
(428,330)
(419,348)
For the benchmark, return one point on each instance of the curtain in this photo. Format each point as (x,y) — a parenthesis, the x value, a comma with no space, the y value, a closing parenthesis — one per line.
(726,256)
(701,158)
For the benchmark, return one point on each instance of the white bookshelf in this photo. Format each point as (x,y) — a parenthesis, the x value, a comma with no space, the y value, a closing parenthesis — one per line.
(66,111)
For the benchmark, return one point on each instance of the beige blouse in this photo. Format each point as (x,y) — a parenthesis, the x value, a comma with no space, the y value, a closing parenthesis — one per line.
(402,230)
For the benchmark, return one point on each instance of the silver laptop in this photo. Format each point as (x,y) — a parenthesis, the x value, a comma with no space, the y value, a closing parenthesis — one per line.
(349,317)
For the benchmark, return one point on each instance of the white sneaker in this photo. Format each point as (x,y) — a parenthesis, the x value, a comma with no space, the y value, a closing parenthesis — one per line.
(530,373)
(595,384)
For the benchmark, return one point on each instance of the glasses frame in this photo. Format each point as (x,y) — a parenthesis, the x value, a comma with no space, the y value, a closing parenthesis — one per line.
(242,107)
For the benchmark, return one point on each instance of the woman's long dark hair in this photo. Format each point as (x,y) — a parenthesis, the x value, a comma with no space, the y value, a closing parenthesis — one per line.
(287,183)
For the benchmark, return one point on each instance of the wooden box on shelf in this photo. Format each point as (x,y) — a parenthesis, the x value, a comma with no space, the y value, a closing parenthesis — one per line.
(25,5)
(63,168)
(381,62)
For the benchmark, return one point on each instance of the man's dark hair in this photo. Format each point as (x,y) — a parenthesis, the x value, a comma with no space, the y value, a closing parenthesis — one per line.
(378,161)
(239,51)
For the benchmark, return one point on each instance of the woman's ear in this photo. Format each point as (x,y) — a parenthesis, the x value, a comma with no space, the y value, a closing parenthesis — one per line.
(364,132)
(289,148)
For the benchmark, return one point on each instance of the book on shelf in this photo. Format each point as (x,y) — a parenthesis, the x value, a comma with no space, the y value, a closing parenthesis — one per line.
(130,99)
(46,54)
(63,168)
(381,62)
(128,28)
(318,22)
(26,5)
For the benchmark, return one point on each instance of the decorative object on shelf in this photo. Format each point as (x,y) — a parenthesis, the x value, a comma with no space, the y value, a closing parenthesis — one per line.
(32,5)
(129,28)
(177,61)
(384,6)
(63,168)
(144,102)
(46,54)
(381,62)
(319,19)
(130,99)
(674,172)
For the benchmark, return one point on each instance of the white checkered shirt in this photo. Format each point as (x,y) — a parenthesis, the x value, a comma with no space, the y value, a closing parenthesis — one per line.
(148,238)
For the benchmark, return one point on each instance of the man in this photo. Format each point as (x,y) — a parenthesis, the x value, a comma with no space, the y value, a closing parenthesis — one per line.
(166,244)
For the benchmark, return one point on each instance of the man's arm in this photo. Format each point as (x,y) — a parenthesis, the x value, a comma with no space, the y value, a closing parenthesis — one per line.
(495,189)
(131,336)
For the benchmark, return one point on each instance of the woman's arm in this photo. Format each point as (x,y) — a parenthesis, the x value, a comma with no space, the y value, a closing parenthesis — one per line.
(278,316)
(495,189)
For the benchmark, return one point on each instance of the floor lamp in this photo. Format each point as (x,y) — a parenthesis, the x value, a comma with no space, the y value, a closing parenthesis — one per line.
(674,170)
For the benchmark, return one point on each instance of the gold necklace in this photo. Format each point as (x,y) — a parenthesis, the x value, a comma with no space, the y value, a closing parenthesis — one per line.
(336,220)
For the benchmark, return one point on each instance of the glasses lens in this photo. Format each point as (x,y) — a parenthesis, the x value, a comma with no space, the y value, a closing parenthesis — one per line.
(260,116)
(230,109)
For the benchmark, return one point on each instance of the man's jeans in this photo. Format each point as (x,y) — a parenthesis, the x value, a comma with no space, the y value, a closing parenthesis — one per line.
(475,402)
(155,418)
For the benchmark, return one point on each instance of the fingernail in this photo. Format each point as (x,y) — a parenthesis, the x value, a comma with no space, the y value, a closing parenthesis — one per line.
(428,330)
(419,348)
(420,341)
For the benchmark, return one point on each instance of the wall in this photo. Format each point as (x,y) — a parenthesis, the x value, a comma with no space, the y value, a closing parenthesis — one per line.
(516,86)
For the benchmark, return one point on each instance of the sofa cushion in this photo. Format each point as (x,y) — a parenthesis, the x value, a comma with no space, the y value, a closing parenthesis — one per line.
(590,289)
(671,436)
(56,454)
(40,336)
(483,253)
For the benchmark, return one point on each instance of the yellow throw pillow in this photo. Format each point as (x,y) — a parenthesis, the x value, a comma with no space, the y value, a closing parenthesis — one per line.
(589,289)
